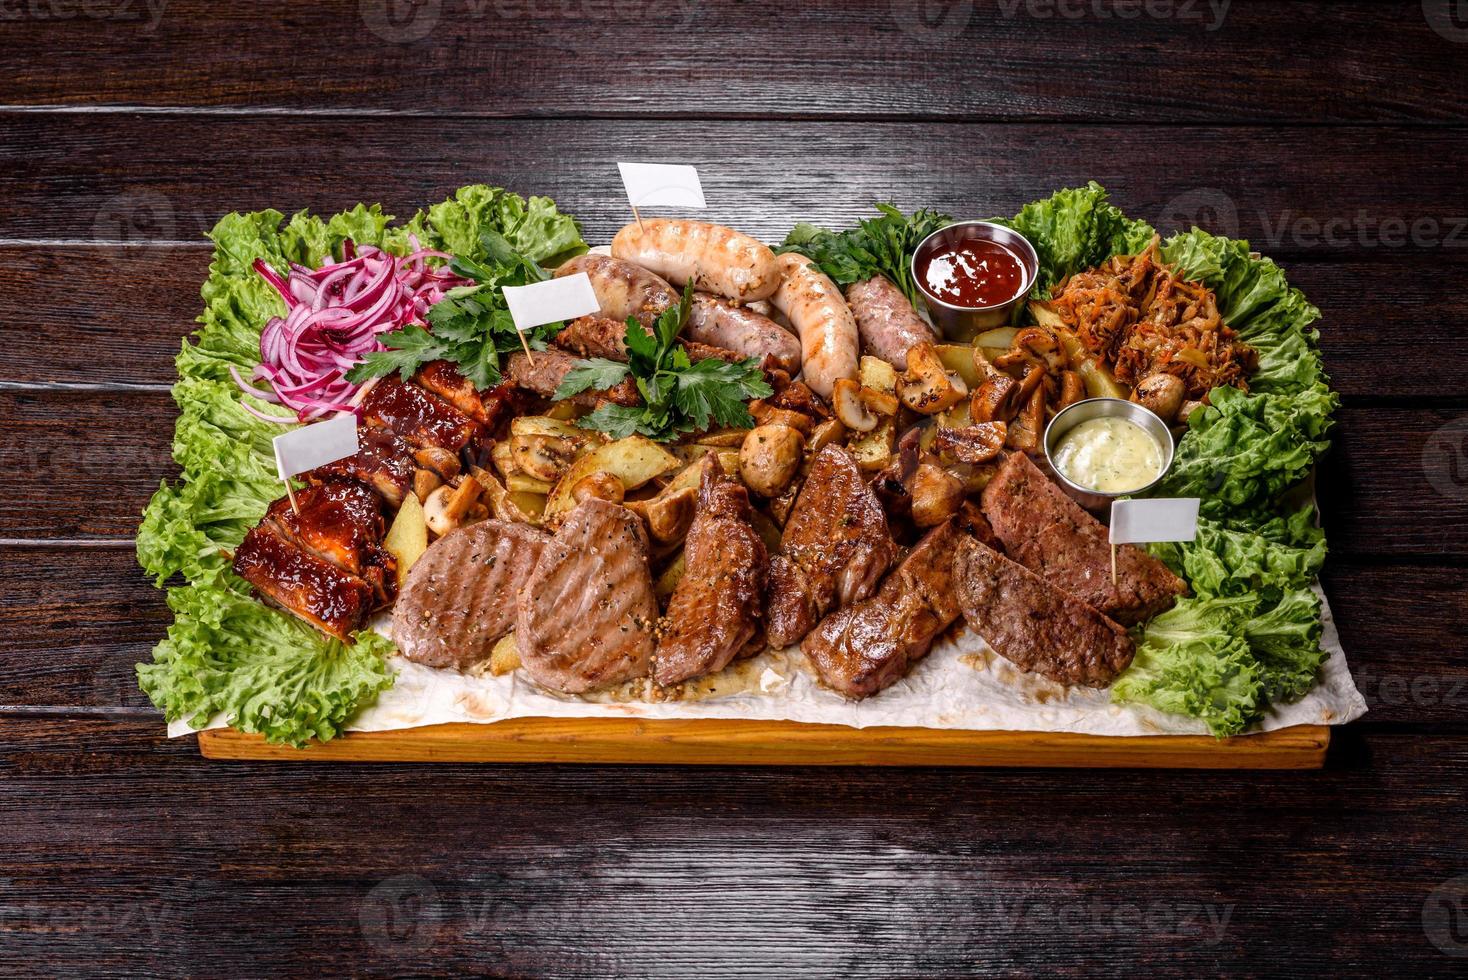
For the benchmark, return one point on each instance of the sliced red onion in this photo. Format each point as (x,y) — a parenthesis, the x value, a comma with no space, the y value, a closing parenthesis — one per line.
(334,317)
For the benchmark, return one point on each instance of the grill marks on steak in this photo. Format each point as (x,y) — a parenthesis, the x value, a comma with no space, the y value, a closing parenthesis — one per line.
(863,648)
(1035,625)
(462,593)
(587,615)
(835,549)
(1051,535)
(716,610)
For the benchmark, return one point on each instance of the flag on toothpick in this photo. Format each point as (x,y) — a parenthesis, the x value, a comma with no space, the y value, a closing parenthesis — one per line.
(672,185)
(313,445)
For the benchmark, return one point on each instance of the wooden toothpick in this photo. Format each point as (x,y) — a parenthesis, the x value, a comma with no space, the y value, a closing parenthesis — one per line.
(290,492)
(526,344)
(638,217)
(1113,563)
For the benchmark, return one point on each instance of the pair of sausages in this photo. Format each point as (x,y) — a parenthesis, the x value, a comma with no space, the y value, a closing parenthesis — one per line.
(650,257)
(627,289)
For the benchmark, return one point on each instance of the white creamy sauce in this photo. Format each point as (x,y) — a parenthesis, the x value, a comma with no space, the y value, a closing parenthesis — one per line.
(1109,455)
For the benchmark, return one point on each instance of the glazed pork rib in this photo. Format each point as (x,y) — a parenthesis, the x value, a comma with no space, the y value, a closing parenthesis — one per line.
(418,417)
(340,521)
(1052,536)
(382,461)
(330,599)
(716,611)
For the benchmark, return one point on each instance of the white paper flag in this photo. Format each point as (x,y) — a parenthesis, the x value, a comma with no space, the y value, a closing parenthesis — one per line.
(315,445)
(662,184)
(565,298)
(1168,519)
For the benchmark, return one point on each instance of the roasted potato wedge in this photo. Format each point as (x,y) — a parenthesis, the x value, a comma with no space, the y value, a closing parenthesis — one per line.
(634,460)
(407,539)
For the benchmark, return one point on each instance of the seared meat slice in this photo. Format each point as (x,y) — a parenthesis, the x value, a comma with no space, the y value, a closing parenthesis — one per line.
(835,549)
(1051,535)
(594,336)
(382,461)
(587,615)
(551,366)
(715,611)
(333,601)
(419,418)
(862,648)
(461,595)
(340,520)
(444,380)
(1035,625)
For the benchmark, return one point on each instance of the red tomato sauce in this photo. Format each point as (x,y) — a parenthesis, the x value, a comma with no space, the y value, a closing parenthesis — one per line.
(972,272)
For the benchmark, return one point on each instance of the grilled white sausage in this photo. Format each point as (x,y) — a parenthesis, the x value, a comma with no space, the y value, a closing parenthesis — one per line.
(888,324)
(622,288)
(828,334)
(720,323)
(714,258)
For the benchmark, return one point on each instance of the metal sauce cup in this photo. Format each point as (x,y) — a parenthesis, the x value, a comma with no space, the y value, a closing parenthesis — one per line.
(963,323)
(1095,408)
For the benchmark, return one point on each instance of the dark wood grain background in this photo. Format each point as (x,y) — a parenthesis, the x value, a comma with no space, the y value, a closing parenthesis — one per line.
(1330,134)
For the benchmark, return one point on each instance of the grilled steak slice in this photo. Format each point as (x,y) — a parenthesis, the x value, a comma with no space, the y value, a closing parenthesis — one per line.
(715,611)
(1035,625)
(421,419)
(835,549)
(461,595)
(382,461)
(594,336)
(551,366)
(863,648)
(333,601)
(587,615)
(1048,533)
(444,380)
(340,520)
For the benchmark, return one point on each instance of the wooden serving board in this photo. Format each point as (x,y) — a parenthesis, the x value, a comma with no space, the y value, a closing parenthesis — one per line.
(708,741)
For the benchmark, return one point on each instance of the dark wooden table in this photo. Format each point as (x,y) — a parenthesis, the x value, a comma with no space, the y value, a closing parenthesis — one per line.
(1330,134)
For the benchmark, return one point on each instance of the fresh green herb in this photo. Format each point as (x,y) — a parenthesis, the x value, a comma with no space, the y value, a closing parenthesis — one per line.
(678,395)
(471,326)
(876,246)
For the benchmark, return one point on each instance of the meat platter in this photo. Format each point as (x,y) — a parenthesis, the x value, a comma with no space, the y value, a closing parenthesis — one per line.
(840,498)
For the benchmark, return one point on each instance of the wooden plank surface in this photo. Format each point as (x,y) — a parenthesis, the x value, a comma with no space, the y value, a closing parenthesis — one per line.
(128,853)
(167,178)
(719,742)
(1007,59)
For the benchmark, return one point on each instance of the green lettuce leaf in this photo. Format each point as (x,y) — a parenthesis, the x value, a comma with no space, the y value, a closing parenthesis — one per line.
(1225,560)
(532,226)
(1285,639)
(1193,661)
(266,671)
(1076,229)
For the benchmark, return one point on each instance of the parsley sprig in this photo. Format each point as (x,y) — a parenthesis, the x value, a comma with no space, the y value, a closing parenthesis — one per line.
(678,395)
(471,326)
